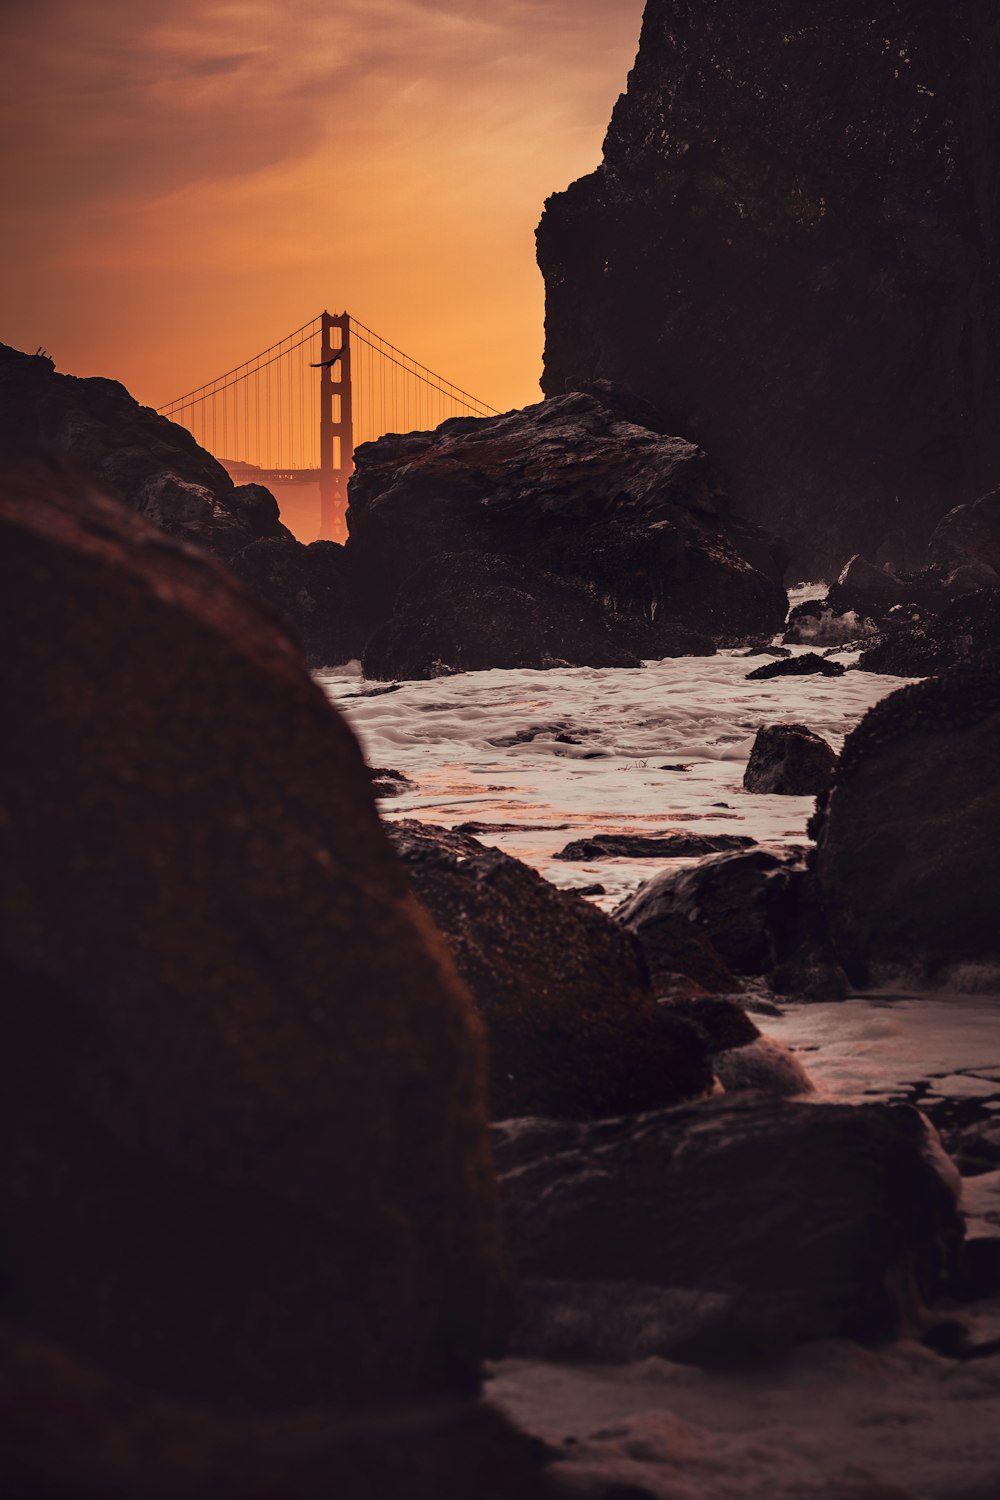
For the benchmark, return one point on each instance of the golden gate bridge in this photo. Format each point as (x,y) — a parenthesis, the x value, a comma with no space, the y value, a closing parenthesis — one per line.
(292,415)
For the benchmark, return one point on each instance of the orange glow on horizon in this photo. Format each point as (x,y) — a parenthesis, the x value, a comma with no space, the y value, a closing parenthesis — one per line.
(190,183)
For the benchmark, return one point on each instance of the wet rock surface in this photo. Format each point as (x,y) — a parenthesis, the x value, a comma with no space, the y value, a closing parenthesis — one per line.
(243,1136)
(798,666)
(469,612)
(683,1233)
(965,627)
(789,760)
(907,856)
(579,488)
(667,845)
(791,239)
(388,783)
(572,1026)
(759,912)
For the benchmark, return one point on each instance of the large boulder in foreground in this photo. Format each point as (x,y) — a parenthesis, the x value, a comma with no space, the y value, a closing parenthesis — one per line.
(241,1117)
(151,464)
(725,1230)
(572,1028)
(907,855)
(791,247)
(70,1431)
(580,488)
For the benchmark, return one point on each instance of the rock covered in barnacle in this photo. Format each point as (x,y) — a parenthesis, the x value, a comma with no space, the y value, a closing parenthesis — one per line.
(585,488)
(249,1219)
(789,760)
(808,664)
(968,625)
(907,855)
(572,1026)
(789,248)
(758,912)
(467,612)
(682,1233)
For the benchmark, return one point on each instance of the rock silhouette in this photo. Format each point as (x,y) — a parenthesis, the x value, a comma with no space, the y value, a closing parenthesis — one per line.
(98,430)
(577,488)
(243,1132)
(907,857)
(790,249)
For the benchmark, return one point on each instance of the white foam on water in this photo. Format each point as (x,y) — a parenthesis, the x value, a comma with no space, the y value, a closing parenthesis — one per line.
(834,1422)
(628,726)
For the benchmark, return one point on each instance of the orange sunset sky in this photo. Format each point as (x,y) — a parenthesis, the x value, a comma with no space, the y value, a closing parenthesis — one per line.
(186,182)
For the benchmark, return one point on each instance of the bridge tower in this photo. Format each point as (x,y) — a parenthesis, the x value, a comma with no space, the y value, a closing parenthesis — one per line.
(336,420)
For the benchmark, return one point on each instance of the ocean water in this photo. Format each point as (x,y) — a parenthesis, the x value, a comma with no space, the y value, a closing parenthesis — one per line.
(582,750)
(566,753)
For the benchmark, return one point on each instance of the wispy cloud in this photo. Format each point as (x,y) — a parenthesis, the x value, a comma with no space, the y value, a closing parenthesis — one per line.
(367,142)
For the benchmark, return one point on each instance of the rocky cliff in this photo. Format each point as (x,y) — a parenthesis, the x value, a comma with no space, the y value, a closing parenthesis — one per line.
(96,429)
(790,248)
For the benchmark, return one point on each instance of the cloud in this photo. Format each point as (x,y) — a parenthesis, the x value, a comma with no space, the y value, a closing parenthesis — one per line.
(151,95)
(188,154)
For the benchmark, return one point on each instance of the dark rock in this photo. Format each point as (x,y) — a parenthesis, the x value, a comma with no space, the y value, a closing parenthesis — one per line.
(976,1147)
(789,760)
(907,853)
(242,1138)
(815,623)
(969,537)
(770,1222)
(790,250)
(94,428)
(978,1271)
(310,589)
(153,465)
(759,911)
(920,651)
(376,692)
(798,666)
(676,951)
(590,890)
(572,1026)
(763,1067)
(666,845)
(69,1431)
(967,626)
(477,829)
(775,651)
(741,1057)
(865,589)
(721,1023)
(387,782)
(523,736)
(574,488)
(470,612)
